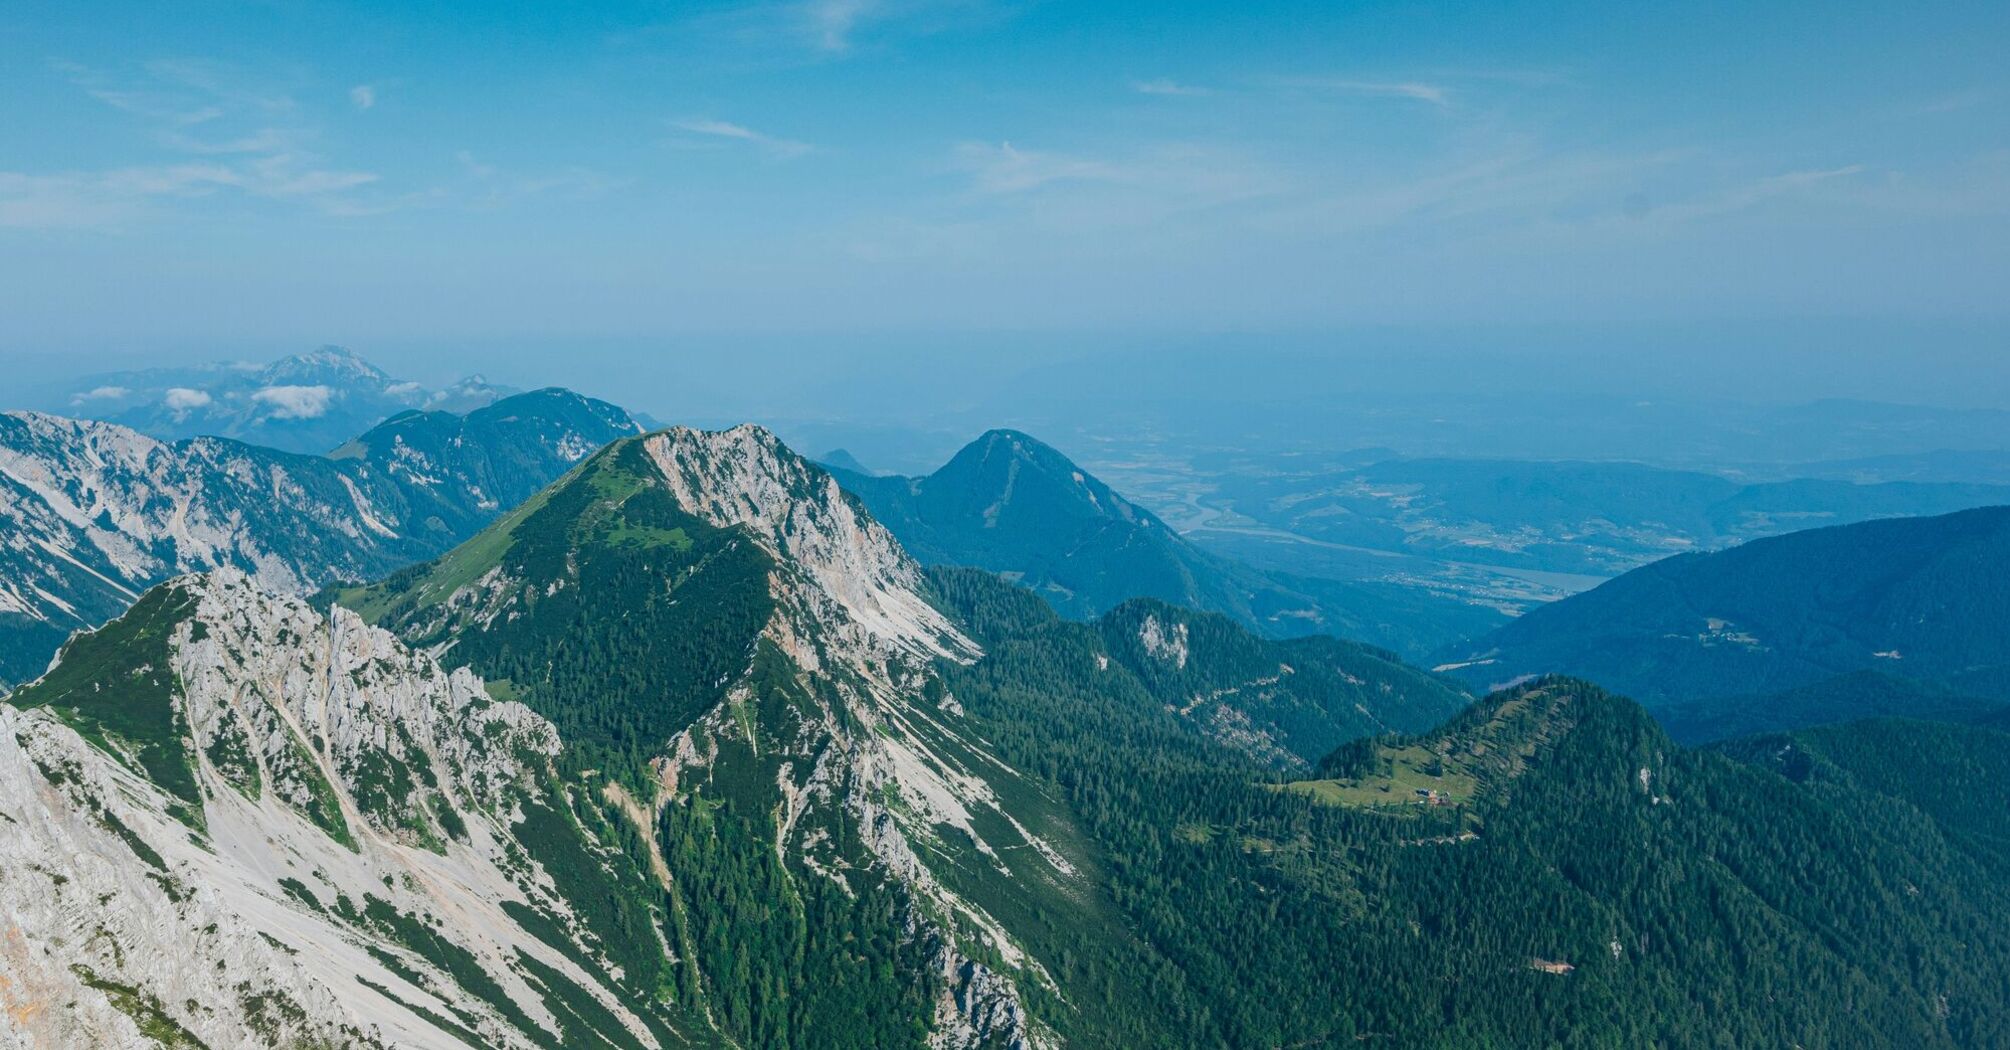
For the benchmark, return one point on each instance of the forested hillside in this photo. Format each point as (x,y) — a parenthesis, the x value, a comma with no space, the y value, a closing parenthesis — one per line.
(1576,880)
(1284,702)
(1750,638)
(686,751)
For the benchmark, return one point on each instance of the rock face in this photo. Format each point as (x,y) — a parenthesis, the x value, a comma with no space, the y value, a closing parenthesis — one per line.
(321,849)
(669,756)
(746,477)
(92,514)
(828,718)
(236,820)
(871,752)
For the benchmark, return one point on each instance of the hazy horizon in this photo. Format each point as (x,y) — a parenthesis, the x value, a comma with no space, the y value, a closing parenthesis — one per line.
(879,375)
(680,205)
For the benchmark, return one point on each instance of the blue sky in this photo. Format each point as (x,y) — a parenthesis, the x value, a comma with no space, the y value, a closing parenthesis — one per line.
(177,178)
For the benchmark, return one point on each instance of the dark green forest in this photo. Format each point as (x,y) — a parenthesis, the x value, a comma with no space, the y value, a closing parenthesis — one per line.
(1901,616)
(1708,902)
(1544,866)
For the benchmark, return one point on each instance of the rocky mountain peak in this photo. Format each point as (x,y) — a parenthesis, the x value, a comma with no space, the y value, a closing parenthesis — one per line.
(779,653)
(746,477)
(323,364)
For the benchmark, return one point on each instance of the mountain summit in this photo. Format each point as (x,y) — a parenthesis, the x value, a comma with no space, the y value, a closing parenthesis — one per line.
(705,687)
(1011,504)
(739,659)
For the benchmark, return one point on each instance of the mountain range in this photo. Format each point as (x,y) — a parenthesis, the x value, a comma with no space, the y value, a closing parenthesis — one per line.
(687,750)
(1891,617)
(1013,505)
(95,513)
(306,403)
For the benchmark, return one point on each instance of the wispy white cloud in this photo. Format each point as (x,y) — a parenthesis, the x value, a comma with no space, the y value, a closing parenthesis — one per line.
(363,96)
(1013,198)
(1974,187)
(286,175)
(473,166)
(1153,180)
(115,197)
(228,87)
(1795,179)
(831,22)
(831,29)
(1415,90)
(495,187)
(1514,183)
(1165,86)
(234,136)
(1003,168)
(148,100)
(55,202)
(1743,196)
(295,402)
(262,140)
(721,129)
(1527,77)
(182,400)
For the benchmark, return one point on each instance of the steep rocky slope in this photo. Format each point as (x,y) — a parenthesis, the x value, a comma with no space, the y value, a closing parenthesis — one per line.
(232,820)
(369,848)
(741,661)
(91,514)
